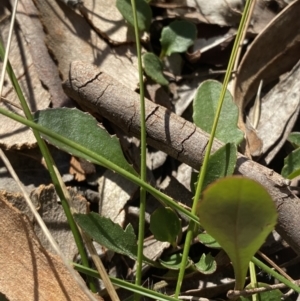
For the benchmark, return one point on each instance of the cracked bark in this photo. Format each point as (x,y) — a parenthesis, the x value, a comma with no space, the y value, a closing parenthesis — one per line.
(98,93)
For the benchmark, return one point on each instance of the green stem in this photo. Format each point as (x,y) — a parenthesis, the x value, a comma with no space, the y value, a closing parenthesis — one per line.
(102,161)
(253,281)
(191,228)
(143,169)
(50,165)
(277,276)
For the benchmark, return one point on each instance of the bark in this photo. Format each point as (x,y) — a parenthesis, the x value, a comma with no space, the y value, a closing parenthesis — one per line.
(100,94)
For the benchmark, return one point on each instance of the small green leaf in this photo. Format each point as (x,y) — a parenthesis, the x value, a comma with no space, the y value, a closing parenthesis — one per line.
(173,262)
(206,265)
(165,225)
(220,164)
(208,241)
(154,67)
(177,37)
(143,10)
(291,168)
(239,213)
(294,138)
(82,128)
(108,234)
(205,106)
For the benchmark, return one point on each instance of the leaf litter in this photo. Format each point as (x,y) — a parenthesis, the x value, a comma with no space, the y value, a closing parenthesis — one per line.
(69,36)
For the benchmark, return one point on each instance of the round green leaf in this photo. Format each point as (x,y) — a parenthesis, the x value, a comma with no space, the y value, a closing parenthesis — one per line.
(143,9)
(205,107)
(165,225)
(208,241)
(177,37)
(207,264)
(154,67)
(239,213)
(291,168)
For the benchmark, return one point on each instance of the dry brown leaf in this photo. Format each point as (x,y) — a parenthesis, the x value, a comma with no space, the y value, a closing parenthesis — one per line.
(274,52)
(28,272)
(14,134)
(27,18)
(81,168)
(55,219)
(70,37)
(108,21)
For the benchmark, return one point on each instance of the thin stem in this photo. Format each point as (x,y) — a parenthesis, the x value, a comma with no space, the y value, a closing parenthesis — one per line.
(103,162)
(229,69)
(253,280)
(143,169)
(273,273)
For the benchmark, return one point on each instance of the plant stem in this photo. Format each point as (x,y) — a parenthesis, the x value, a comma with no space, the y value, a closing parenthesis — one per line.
(253,280)
(191,228)
(270,271)
(51,168)
(143,169)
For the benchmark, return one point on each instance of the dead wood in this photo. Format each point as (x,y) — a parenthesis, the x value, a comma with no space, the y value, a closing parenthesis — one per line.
(98,93)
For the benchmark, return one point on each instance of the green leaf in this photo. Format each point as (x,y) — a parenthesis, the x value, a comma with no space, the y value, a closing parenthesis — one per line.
(273,295)
(154,67)
(208,241)
(239,213)
(108,234)
(165,225)
(205,106)
(143,10)
(173,262)
(177,37)
(82,128)
(291,168)
(206,265)
(294,138)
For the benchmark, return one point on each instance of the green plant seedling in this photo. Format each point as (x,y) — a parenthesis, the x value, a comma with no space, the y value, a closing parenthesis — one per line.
(205,106)
(83,129)
(144,13)
(165,225)
(153,68)
(291,168)
(239,213)
(177,37)
(207,264)
(221,164)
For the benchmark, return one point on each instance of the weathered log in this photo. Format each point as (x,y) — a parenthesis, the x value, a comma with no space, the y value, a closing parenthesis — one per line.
(98,93)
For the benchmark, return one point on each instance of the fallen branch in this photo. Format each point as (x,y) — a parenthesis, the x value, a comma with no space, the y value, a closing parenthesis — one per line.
(98,93)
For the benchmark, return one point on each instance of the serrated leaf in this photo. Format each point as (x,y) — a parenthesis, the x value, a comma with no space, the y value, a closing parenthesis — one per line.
(154,67)
(291,168)
(108,234)
(173,262)
(207,264)
(177,37)
(82,129)
(208,241)
(205,106)
(143,10)
(294,138)
(165,225)
(239,213)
